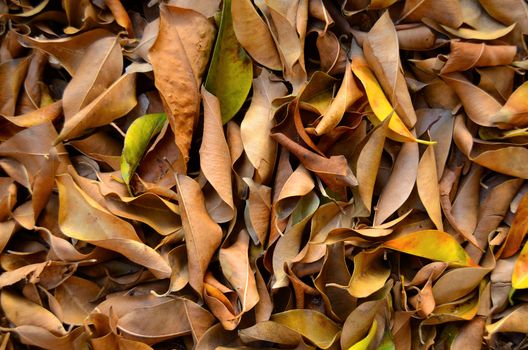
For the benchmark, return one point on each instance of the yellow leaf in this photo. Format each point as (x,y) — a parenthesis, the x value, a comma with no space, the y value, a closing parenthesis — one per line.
(364,343)
(432,244)
(380,105)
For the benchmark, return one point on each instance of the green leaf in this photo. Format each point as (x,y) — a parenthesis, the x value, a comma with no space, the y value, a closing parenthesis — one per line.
(231,71)
(387,343)
(137,139)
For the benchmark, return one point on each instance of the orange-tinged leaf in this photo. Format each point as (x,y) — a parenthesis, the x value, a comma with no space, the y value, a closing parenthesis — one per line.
(100,67)
(518,229)
(381,49)
(179,57)
(431,244)
(515,111)
(367,164)
(70,50)
(480,106)
(236,267)
(447,12)
(400,184)
(169,319)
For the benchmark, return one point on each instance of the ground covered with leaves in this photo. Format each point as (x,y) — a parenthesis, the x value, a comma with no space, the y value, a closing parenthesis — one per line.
(267,174)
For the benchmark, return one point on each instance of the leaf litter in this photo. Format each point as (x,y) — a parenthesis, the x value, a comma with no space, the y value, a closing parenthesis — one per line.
(263,174)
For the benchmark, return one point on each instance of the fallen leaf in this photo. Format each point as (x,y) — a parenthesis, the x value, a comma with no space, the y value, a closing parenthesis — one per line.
(379,103)
(179,57)
(254,35)
(382,54)
(323,335)
(22,312)
(214,159)
(347,94)
(103,109)
(202,234)
(100,67)
(256,126)
(77,211)
(370,274)
(364,343)
(427,186)
(448,12)
(75,297)
(243,280)
(431,244)
(480,107)
(515,111)
(230,72)
(137,139)
(69,51)
(169,319)
(400,184)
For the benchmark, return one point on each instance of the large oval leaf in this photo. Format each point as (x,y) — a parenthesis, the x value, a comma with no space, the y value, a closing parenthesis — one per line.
(231,72)
(432,244)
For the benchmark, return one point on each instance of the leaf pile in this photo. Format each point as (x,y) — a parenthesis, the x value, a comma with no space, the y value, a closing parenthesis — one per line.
(267,174)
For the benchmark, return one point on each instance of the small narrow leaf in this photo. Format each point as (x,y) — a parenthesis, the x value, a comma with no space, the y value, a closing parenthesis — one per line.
(137,139)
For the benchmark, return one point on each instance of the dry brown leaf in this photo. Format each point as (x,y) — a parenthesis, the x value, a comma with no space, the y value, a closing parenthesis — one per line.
(256,126)
(427,186)
(464,56)
(400,184)
(254,35)
(99,68)
(202,234)
(77,211)
(215,161)
(179,57)
(382,54)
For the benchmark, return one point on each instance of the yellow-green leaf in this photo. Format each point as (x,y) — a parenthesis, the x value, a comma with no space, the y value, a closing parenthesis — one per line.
(313,325)
(231,72)
(364,343)
(137,139)
(520,271)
